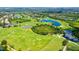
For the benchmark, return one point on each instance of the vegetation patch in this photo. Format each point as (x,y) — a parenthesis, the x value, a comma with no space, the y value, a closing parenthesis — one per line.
(44,29)
(76,33)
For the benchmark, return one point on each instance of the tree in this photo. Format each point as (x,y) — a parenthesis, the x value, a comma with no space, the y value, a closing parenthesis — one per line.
(64,43)
(4,42)
(4,45)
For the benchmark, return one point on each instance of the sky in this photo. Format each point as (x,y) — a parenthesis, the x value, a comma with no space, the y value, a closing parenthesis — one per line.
(39,3)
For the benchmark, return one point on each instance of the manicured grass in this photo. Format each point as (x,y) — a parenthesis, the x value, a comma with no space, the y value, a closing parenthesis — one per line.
(75,24)
(26,39)
(72,46)
(64,25)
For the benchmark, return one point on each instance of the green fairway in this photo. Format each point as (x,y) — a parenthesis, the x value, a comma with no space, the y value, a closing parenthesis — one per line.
(26,39)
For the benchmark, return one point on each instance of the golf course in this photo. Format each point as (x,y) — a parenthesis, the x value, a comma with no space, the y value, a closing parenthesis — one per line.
(27,31)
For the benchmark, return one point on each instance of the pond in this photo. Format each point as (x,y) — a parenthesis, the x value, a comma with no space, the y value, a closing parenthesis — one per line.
(54,22)
(69,35)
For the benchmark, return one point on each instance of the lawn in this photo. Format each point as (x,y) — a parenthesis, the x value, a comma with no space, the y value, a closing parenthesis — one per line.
(26,39)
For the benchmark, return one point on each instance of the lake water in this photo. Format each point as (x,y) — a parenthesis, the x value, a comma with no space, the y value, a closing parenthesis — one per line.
(69,35)
(54,22)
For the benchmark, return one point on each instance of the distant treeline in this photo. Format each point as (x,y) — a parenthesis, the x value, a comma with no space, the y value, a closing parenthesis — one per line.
(40,9)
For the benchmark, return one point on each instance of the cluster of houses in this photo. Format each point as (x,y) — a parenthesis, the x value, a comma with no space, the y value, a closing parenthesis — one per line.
(5,21)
